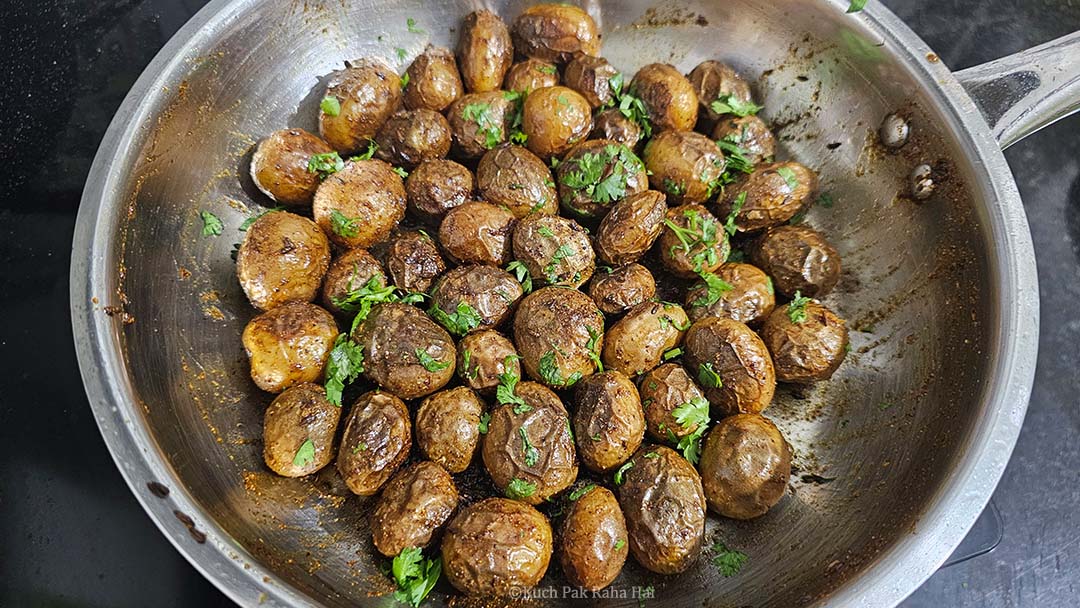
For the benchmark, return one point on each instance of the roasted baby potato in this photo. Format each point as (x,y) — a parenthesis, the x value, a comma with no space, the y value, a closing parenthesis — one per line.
(608,420)
(448,427)
(638,341)
(617,290)
(592,544)
(591,77)
(713,81)
(298,431)
(483,356)
(405,352)
(472,297)
(631,227)
(515,178)
(773,195)
(279,166)
(684,164)
(807,341)
(484,51)
(693,241)
(434,80)
(436,187)
(358,101)
(749,300)
(662,391)
(555,250)
(413,261)
(282,258)
(413,507)
(750,134)
(481,121)
(668,96)
(411,137)
(555,32)
(289,345)
(596,174)
(477,232)
(376,442)
(612,125)
(554,119)
(799,259)
(530,75)
(348,273)
(361,204)
(732,364)
(745,466)
(559,333)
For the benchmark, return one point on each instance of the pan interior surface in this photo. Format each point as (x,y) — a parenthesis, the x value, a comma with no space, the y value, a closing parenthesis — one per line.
(873,447)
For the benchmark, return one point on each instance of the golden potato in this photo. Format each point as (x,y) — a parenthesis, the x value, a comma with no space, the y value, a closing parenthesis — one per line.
(282,258)
(289,345)
(361,204)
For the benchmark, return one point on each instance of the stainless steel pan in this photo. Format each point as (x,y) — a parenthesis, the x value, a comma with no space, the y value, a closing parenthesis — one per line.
(915,429)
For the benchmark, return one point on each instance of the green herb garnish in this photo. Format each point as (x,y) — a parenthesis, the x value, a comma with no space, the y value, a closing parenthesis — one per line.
(736,207)
(330,105)
(532,455)
(343,367)
(737,157)
(430,363)
(485,420)
(708,377)
(692,414)
(521,271)
(797,308)
(594,347)
(402,173)
(405,80)
(673,188)
(731,104)
(629,104)
(415,576)
(481,114)
(671,354)
(401,54)
(789,177)
(547,69)
(619,544)
(372,147)
(251,220)
(602,176)
(578,493)
(727,561)
(563,252)
(325,164)
(622,470)
(652,455)
(411,24)
(715,289)
(305,455)
(504,393)
(211,224)
(826,200)
(463,320)
(550,372)
(856,6)
(519,488)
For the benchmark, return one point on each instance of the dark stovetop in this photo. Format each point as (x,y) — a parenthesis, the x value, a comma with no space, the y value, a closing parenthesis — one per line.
(71,534)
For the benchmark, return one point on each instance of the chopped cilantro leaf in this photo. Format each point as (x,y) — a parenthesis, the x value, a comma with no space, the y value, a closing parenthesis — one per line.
(727,561)
(330,106)
(797,308)
(325,164)
(211,224)
(532,455)
(430,363)
(732,104)
(343,367)
(708,377)
(343,225)
(463,320)
(622,471)
(519,488)
(578,493)
(305,456)
(415,576)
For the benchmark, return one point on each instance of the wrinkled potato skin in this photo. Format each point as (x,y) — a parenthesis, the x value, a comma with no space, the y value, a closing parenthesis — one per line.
(413,261)
(808,351)
(548,429)
(366,190)
(664,507)
(468,141)
(741,360)
(555,32)
(477,232)
(349,271)
(490,291)
(488,350)
(411,137)
(537,251)
(554,119)
(631,227)
(637,342)
(668,96)
(750,300)
(434,80)
(593,527)
(710,80)
(557,319)
(436,187)
(296,415)
(282,259)
(662,390)
(581,204)
(390,336)
(608,420)
(683,164)
(279,166)
(612,125)
(447,427)
(530,75)
(369,92)
(621,289)
(752,135)
(484,51)
(496,546)
(413,508)
(590,76)
(770,201)
(512,176)
(745,466)
(672,254)
(289,345)
(798,259)
(376,442)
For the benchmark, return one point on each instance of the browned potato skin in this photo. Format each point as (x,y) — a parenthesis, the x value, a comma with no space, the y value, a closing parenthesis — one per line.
(289,345)
(631,227)
(745,466)
(484,51)
(530,75)
(808,351)
(798,258)
(447,427)
(683,164)
(490,291)
(279,166)
(750,300)
(349,271)
(436,187)
(296,415)
(752,135)
(579,202)
(554,119)
(434,80)
(608,420)
(413,508)
(496,546)
(376,442)
(675,257)
(637,342)
(612,125)
(367,190)
(468,140)
(662,390)
(282,259)
(413,261)
(590,76)
(411,137)
(555,32)
(710,80)
(664,506)
(517,179)
(741,360)
(537,251)
(668,96)
(548,429)
(592,544)
(622,288)
(477,232)
(390,336)
(770,201)
(557,319)
(369,91)
(488,350)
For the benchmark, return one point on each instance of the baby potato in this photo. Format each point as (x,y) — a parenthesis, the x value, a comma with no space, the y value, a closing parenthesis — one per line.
(448,427)
(662,391)
(477,232)
(411,137)
(289,345)
(638,341)
(631,227)
(282,258)
(592,546)
(436,187)
(413,261)
(808,348)
(555,32)
(608,421)
(484,51)
(590,76)
(413,507)
(692,241)
(799,260)
(616,291)
(554,119)
(481,121)
(279,166)
(668,96)
(596,174)
(515,178)
(361,204)
(773,195)
(732,363)
(474,296)
(530,75)
(712,81)
(349,272)
(298,431)
(376,442)
(749,133)
(483,356)
(434,80)
(365,94)
(610,124)
(745,466)
(749,300)
(405,352)
(685,165)
(559,333)
(554,249)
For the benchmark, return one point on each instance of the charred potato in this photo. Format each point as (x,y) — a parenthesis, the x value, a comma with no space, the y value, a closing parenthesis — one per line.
(448,427)
(608,420)
(405,352)
(662,391)
(612,125)
(376,442)
(554,119)
(279,166)
(749,300)
(732,363)
(530,75)
(361,204)
(411,137)
(555,250)
(515,178)
(436,187)
(638,341)
(483,356)
(358,101)
(749,133)
(685,165)
(474,296)
(555,32)
(350,272)
(413,507)
(631,227)
(590,76)
(289,345)
(773,195)
(592,544)
(668,96)
(413,261)
(799,259)
(693,241)
(745,466)
(477,232)
(298,431)
(480,121)
(713,81)
(282,259)
(434,80)
(559,334)
(616,291)
(597,174)
(807,342)
(484,51)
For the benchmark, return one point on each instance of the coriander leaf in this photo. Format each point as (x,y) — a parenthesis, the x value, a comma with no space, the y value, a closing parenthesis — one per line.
(673,188)
(481,114)
(521,271)
(671,354)
(485,420)
(652,455)
(594,347)
(466,360)
(619,544)
(330,106)
(504,393)
(736,156)
(736,207)
(797,308)
(563,252)
(715,289)
(552,375)
(361,299)
(372,147)
(519,488)
(732,104)
(325,164)
(360,447)
(690,445)
(545,232)
(602,176)
(463,320)
(211,224)
(430,363)
(622,470)
(343,367)
(693,414)
(401,54)
(856,6)
(305,455)
(415,576)
(769,286)
(578,493)
(826,200)
(789,176)
(402,173)
(547,69)
(532,455)
(708,377)
(727,561)
(405,80)
(251,220)
(343,225)
(411,24)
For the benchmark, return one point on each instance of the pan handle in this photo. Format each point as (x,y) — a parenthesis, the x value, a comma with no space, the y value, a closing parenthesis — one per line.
(1022,93)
